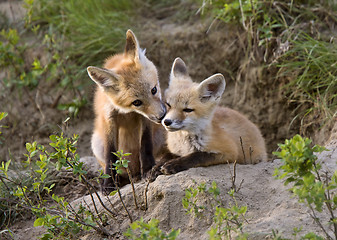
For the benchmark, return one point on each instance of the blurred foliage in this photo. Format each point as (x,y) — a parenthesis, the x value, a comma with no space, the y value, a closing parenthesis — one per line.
(90,28)
(296,37)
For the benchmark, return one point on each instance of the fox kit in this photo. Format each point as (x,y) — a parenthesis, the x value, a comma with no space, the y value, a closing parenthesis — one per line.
(200,133)
(127,97)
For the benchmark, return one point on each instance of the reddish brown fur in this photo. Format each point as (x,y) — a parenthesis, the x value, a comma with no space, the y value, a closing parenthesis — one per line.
(119,123)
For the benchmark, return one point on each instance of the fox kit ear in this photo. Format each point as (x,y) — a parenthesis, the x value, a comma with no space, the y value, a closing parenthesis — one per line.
(212,87)
(179,68)
(104,78)
(132,45)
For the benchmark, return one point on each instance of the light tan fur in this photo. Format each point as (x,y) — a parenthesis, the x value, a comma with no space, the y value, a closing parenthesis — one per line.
(196,123)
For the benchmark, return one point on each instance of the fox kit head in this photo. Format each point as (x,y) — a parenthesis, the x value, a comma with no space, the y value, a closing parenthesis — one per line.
(190,106)
(130,81)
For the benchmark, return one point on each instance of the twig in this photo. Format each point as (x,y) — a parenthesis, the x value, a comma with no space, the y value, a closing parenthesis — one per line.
(145,193)
(79,219)
(133,187)
(243,16)
(120,197)
(233,178)
(96,193)
(38,105)
(327,198)
(93,202)
(108,199)
(316,219)
(243,151)
(238,189)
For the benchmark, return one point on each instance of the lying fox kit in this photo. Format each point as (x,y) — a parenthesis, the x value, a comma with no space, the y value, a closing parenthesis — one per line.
(200,133)
(127,97)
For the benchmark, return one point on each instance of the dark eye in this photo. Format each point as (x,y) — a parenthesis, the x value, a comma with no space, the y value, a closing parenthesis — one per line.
(168,105)
(154,90)
(137,103)
(188,110)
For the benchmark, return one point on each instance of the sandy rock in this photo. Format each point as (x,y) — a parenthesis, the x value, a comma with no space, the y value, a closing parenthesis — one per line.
(270,205)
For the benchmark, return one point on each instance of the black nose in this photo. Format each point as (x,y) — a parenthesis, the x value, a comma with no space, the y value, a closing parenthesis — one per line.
(167,122)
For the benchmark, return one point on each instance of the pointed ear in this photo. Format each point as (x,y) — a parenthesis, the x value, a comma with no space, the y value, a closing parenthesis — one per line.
(212,87)
(104,78)
(131,46)
(179,68)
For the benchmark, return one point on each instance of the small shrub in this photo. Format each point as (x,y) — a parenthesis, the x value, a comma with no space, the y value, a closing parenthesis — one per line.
(313,186)
(227,219)
(139,230)
(61,220)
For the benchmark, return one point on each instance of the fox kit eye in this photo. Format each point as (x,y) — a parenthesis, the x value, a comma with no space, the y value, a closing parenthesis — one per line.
(154,90)
(188,110)
(137,103)
(168,104)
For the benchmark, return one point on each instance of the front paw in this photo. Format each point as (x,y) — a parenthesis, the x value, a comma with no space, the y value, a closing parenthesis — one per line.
(170,168)
(153,173)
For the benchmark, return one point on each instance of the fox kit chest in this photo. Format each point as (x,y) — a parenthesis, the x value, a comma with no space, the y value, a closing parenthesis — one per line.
(181,143)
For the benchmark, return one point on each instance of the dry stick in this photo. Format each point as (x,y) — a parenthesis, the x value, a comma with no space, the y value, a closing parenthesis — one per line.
(96,193)
(316,219)
(79,219)
(327,198)
(120,197)
(233,176)
(145,193)
(133,187)
(250,154)
(93,201)
(328,204)
(243,151)
(38,105)
(108,199)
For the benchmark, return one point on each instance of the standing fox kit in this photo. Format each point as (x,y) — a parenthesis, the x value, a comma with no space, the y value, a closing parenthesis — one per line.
(200,133)
(127,97)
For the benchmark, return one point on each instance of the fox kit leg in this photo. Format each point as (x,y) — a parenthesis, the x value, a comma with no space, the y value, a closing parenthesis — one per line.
(103,149)
(195,159)
(110,158)
(146,152)
(156,170)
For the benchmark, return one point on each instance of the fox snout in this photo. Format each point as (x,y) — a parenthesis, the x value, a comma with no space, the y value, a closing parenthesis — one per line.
(172,125)
(167,122)
(158,117)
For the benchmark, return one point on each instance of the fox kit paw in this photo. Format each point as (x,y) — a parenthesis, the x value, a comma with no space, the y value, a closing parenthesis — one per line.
(153,173)
(169,168)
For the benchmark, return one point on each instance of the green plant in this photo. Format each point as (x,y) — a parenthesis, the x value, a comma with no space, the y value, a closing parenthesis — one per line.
(123,163)
(54,75)
(139,230)
(60,219)
(2,116)
(313,73)
(312,185)
(288,38)
(92,29)
(12,59)
(227,219)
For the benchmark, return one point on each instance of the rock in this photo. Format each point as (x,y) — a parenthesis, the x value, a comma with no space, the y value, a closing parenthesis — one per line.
(270,206)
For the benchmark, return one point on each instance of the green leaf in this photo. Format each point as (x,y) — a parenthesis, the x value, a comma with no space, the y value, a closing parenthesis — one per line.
(39,222)
(113,193)
(104,176)
(3,115)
